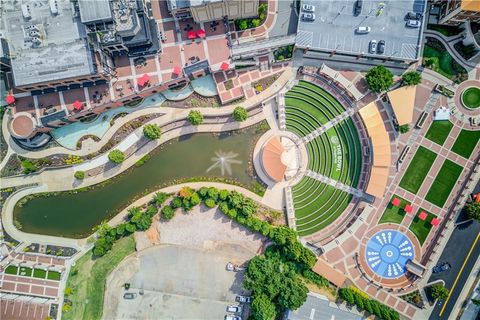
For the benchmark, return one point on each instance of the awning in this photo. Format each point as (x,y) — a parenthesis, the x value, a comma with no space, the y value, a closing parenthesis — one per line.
(77,105)
(422,216)
(201,33)
(177,70)
(10,99)
(143,80)
(191,35)
(224,66)
(396,202)
(435,222)
(408,208)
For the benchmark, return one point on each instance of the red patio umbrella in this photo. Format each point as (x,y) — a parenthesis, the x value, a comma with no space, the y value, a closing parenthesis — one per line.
(396,202)
(143,79)
(408,208)
(435,222)
(10,99)
(191,35)
(422,216)
(224,66)
(77,105)
(177,70)
(201,33)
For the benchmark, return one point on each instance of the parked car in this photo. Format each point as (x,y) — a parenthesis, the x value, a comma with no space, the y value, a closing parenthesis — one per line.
(373,46)
(129,295)
(414,23)
(442,267)
(308,16)
(381,47)
(243,299)
(413,16)
(308,8)
(357,8)
(363,30)
(234,309)
(231,317)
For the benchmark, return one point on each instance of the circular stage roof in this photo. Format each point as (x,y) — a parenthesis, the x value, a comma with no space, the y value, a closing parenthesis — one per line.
(22,125)
(388,252)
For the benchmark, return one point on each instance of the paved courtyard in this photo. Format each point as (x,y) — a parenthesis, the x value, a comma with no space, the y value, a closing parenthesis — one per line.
(177,282)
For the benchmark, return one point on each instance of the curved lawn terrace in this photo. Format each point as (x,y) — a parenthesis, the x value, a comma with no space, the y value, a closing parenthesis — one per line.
(335,154)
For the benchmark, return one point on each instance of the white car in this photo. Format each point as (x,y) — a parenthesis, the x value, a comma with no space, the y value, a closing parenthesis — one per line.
(234,309)
(363,30)
(308,8)
(414,23)
(373,46)
(243,299)
(230,317)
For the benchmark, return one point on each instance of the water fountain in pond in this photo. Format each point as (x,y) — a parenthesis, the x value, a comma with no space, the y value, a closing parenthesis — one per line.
(224,161)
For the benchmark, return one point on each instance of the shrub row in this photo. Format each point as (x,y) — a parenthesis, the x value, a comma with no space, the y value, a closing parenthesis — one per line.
(354,296)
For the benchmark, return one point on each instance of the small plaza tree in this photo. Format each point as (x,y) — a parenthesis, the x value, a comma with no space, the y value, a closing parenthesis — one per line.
(152,131)
(195,117)
(116,156)
(379,79)
(411,78)
(79,175)
(473,210)
(439,292)
(240,114)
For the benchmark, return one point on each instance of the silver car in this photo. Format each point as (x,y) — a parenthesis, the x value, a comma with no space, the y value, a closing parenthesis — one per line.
(414,23)
(308,16)
(373,46)
(308,8)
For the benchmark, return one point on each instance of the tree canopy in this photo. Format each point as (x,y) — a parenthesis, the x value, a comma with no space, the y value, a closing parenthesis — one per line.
(473,210)
(411,78)
(116,156)
(195,117)
(439,292)
(240,114)
(379,79)
(152,131)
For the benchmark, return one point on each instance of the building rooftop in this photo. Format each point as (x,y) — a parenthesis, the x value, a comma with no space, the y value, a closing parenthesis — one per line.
(403,103)
(334,28)
(47,41)
(471,5)
(317,307)
(181,4)
(92,11)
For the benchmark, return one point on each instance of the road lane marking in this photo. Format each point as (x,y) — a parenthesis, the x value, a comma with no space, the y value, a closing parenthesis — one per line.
(458,275)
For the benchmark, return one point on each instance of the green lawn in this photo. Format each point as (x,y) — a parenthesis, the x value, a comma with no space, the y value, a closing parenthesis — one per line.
(39,273)
(392,213)
(54,275)
(11,270)
(444,183)
(417,170)
(466,143)
(421,228)
(88,283)
(25,271)
(439,131)
(471,97)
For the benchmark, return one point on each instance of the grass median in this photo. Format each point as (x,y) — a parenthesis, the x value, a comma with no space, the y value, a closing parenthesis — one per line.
(439,131)
(87,280)
(444,182)
(417,170)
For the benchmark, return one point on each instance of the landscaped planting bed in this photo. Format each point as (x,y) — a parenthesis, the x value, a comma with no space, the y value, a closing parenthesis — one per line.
(471,97)
(421,228)
(444,182)
(392,213)
(417,170)
(439,131)
(466,142)
(25,271)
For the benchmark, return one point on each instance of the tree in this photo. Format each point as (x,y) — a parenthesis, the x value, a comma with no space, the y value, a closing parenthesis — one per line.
(210,203)
(152,131)
(404,128)
(243,24)
(240,114)
(116,156)
(411,78)
(439,292)
(79,175)
(262,308)
(195,117)
(473,210)
(159,198)
(379,79)
(256,23)
(168,212)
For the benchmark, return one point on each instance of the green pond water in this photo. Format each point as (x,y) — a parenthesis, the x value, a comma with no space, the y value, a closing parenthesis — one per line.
(199,155)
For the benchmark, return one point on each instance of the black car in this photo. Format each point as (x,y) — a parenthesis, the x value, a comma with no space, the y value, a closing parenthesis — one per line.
(442,267)
(413,16)
(381,47)
(357,9)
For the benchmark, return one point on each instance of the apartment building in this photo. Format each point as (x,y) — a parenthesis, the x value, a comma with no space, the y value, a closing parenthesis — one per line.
(455,12)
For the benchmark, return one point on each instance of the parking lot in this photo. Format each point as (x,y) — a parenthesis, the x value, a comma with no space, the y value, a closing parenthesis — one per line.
(177,282)
(334,27)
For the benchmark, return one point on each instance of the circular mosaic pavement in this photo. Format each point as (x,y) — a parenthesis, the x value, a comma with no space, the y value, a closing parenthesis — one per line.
(388,252)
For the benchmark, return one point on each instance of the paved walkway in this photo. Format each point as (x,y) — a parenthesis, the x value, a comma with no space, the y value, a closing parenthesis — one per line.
(447,42)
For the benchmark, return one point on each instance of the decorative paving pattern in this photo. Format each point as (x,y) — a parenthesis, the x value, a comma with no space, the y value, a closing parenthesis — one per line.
(388,252)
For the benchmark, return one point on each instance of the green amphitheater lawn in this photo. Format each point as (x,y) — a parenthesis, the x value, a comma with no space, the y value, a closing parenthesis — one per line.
(466,143)
(421,228)
(325,94)
(302,103)
(444,182)
(439,131)
(392,213)
(418,170)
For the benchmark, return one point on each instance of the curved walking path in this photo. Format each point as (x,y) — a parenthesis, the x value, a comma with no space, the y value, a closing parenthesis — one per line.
(451,50)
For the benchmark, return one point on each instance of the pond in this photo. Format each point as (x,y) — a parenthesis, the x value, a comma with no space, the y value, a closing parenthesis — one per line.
(74,215)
